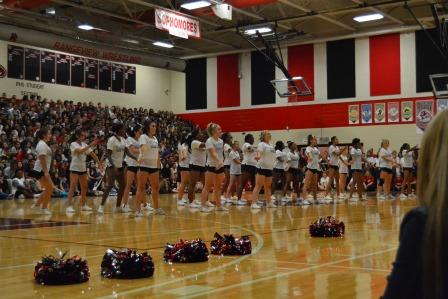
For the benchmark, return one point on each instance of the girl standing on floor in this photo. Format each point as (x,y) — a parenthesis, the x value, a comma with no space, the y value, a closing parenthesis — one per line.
(407,163)
(41,171)
(312,169)
(198,158)
(116,146)
(133,147)
(292,174)
(279,167)
(333,170)
(183,169)
(235,171)
(356,169)
(266,160)
(227,139)
(215,169)
(78,169)
(149,166)
(343,173)
(248,167)
(386,163)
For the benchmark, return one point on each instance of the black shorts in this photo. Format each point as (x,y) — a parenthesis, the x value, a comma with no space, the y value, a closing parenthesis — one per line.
(148,169)
(237,175)
(408,169)
(78,172)
(336,168)
(294,171)
(355,170)
(386,170)
(180,169)
(36,174)
(214,170)
(278,170)
(264,172)
(133,169)
(252,170)
(227,167)
(197,168)
(314,171)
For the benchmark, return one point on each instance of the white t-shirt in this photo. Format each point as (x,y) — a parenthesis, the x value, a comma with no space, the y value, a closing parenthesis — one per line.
(313,163)
(324,181)
(342,167)
(42,149)
(356,158)
(267,156)
(117,147)
(408,159)
(78,162)
(293,159)
(280,159)
(152,151)
(334,152)
(130,141)
(385,153)
(198,155)
(227,150)
(235,168)
(182,150)
(218,145)
(249,154)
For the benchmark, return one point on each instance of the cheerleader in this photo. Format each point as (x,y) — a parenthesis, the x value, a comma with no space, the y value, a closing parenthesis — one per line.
(183,170)
(356,169)
(116,145)
(292,175)
(312,169)
(343,173)
(198,158)
(333,171)
(78,170)
(215,169)
(235,171)
(407,153)
(41,171)
(248,167)
(266,159)
(133,149)
(149,164)
(227,139)
(386,163)
(279,167)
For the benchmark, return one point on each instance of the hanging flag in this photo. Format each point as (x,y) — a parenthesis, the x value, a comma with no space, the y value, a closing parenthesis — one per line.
(393,112)
(177,24)
(407,111)
(366,113)
(442,104)
(424,112)
(380,113)
(353,114)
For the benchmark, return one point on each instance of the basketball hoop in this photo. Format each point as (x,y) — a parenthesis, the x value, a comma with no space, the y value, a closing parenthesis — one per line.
(294,87)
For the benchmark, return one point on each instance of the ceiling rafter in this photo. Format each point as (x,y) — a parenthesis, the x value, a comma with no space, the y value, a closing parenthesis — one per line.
(127,9)
(378,10)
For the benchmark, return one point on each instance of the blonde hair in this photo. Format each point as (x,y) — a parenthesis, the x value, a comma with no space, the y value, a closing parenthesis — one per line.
(384,141)
(263,135)
(432,191)
(211,127)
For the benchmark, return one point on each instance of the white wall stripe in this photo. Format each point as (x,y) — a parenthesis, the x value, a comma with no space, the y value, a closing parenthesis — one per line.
(362,68)
(245,80)
(408,64)
(320,73)
(279,75)
(212,86)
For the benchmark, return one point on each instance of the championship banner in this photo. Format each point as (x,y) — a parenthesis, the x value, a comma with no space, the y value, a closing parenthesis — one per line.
(407,111)
(366,113)
(353,114)
(393,112)
(177,24)
(380,113)
(424,112)
(442,104)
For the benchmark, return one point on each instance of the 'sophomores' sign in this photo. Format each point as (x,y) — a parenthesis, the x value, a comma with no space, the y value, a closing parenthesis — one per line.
(177,24)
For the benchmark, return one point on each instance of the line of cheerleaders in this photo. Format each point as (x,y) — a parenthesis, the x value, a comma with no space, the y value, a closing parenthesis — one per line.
(134,157)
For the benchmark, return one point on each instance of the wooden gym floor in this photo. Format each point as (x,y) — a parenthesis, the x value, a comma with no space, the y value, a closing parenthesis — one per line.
(285,263)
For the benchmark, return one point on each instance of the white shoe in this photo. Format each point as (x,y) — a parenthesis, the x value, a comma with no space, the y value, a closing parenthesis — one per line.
(125,209)
(309,197)
(210,205)
(378,195)
(100,210)
(306,202)
(364,197)
(381,197)
(342,197)
(234,202)
(321,201)
(286,199)
(185,200)
(86,208)
(355,195)
(353,199)
(194,205)
(328,197)
(45,211)
(35,206)
(391,197)
(222,209)
(254,206)
(260,202)
(412,196)
(241,202)
(147,207)
(223,199)
(271,205)
(197,201)
(273,197)
(137,214)
(180,202)
(118,210)
(70,209)
(234,197)
(288,196)
(403,196)
(159,211)
(206,210)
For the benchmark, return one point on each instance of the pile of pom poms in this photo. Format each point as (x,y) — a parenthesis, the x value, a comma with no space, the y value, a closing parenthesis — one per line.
(186,252)
(229,245)
(126,263)
(327,227)
(58,271)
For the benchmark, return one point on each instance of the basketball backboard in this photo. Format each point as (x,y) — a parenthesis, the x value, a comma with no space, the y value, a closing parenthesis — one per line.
(296,86)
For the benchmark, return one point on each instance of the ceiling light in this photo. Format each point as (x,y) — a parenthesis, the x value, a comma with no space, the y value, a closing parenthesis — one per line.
(195,4)
(163,45)
(369,17)
(132,41)
(261,30)
(86,27)
(50,11)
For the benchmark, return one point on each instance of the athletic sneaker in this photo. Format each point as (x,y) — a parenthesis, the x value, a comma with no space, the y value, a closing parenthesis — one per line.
(260,202)
(234,202)
(241,202)
(353,199)
(342,196)
(321,201)
(306,202)
(197,201)
(86,208)
(70,209)
(210,204)
(206,210)
(234,197)
(194,205)
(271,205)
(286,199)
(222,209)
(185,200)
(100,210)
(125,209)
(378,195)
(137,214)
(412,196)
(391,197)
(273,197)
(403,196)
(159,211)
(328,197)
(180,202)
(254,206)
(45,211)
(288,196)
(147,207)
(34,206)
(223,199)
(381,197)
(364,197)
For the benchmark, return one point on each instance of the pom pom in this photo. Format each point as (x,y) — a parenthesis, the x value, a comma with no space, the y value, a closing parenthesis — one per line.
(186,252)
(327,227)
(126,263)
(58,271)
(229,245)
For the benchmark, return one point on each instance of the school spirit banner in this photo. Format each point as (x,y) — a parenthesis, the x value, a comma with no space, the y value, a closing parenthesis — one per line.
(366,113)
(393,112)
(442,104)
(407,111)
(353,114)
(380,113)
(424,112)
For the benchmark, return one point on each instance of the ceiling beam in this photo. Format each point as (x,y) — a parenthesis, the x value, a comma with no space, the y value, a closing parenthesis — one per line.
(317,15)
(377,10)
(127,8)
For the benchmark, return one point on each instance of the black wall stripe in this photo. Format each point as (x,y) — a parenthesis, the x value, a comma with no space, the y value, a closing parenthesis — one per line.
(428,59)
(262,72)
(196,84)
(341,78)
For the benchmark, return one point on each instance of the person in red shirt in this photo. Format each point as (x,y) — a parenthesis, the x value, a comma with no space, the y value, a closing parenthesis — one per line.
(369,182)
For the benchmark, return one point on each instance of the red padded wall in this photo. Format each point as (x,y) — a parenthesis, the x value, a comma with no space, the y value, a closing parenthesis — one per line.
(227,81)
(301,63)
